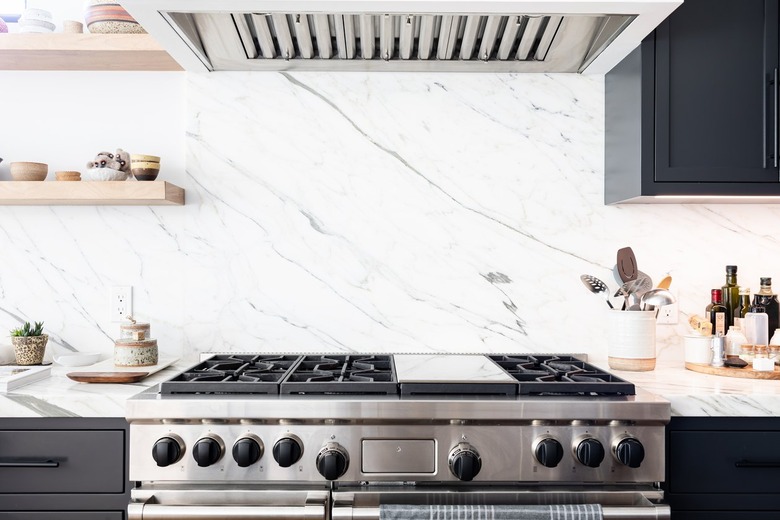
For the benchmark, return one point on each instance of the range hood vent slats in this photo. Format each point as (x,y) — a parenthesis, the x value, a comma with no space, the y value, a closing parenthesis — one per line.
(416,39)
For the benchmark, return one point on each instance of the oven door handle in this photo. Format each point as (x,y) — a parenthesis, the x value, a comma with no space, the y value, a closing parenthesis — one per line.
(160,512)
(655,512)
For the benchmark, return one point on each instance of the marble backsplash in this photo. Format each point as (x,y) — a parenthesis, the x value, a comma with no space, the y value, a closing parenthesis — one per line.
(375,212)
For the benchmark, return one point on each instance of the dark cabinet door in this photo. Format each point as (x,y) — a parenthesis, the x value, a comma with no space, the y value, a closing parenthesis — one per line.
(715,95)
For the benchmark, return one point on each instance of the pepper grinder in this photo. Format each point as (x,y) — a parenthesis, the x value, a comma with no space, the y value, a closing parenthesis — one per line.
(718,350)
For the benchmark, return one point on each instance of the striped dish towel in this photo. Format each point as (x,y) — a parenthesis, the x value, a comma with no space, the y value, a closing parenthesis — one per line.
(449,512)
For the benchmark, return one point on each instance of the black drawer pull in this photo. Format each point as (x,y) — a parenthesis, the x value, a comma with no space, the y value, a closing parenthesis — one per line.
(29,464)
(756,464)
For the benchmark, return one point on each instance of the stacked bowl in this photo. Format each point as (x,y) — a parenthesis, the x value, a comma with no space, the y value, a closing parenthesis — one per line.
(36,21)
(108,17)
(68,176)
(29,171)
(144,167)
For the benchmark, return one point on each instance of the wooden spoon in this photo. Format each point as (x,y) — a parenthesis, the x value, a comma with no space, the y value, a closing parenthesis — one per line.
(665,282)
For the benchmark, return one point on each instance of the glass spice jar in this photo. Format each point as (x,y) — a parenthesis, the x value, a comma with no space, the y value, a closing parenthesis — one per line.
(748,353)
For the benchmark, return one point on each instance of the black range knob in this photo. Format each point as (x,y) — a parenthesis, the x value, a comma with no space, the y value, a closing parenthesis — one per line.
(630,452)
(207,451)
(548,452)
(590,452)
(332,461)
(465,462)
(287,451)
(167,451)
(247,451)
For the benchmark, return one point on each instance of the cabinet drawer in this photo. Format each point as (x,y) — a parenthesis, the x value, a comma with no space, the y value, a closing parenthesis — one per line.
(714,462)
(58,515)
(62,461)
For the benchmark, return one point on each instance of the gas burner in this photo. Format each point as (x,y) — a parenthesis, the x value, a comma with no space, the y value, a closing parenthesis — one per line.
(561,375)
(236,374)
(333,375)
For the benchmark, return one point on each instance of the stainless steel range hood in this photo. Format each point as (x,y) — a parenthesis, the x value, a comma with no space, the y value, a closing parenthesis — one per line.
(396,35)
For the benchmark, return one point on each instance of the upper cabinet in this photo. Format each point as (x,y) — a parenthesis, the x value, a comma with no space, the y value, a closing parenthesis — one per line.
(692,114)
(58,51)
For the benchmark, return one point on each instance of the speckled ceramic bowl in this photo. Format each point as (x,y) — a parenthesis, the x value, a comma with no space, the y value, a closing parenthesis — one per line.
(29,171)
(135,352)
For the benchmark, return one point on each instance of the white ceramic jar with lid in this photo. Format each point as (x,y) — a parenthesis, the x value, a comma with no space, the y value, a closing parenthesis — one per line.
(127,329)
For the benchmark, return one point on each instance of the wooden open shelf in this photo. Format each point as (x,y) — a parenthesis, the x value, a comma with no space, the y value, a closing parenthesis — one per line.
(60,51)
(90,193)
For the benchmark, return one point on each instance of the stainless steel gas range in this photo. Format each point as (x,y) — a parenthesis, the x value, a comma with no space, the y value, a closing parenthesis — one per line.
(367,436)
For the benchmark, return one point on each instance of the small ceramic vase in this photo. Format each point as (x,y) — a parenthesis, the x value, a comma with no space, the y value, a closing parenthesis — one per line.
(29,350)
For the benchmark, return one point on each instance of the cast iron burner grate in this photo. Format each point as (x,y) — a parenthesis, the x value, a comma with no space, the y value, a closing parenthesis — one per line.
(355,374)
(232,374)
(561,375)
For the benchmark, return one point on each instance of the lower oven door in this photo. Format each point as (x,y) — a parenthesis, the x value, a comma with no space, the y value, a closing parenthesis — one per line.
(219,503)
(364,503)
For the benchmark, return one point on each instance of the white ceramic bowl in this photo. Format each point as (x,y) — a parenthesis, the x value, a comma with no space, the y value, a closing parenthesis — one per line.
(103,174)
(77,359)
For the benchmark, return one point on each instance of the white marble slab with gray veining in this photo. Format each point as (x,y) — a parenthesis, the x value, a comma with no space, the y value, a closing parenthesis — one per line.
(448,368)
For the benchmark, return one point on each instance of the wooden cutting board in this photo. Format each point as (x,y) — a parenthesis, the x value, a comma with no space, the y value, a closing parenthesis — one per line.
(746,373)
(106,372)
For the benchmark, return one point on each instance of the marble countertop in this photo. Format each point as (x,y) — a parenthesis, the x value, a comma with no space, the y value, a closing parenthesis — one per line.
(690,393)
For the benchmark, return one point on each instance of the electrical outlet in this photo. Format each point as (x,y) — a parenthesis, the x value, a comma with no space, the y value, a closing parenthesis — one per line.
(120,302)
(669,314)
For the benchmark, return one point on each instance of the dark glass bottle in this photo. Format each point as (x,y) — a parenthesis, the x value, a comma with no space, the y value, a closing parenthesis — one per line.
(730,294)
(766,299)
(743,307)
(716,312)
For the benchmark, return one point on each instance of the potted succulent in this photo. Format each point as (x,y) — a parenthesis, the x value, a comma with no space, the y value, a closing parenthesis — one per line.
(29,343)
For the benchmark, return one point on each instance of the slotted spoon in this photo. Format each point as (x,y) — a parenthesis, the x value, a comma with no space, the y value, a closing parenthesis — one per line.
(596,286)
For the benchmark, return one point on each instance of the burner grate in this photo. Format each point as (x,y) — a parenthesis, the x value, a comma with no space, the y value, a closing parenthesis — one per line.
(561,375)
(331,375)
(232,374)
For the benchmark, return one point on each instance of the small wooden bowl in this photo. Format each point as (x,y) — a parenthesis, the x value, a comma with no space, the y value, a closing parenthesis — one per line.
(68,176)
(29,171)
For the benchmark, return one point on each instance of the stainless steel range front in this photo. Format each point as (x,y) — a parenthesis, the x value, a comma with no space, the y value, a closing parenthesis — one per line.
(354,436)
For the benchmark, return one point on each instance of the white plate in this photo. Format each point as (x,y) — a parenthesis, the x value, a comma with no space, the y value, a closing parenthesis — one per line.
(77,359)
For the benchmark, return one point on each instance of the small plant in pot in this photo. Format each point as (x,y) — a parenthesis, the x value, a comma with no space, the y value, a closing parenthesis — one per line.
(29,343)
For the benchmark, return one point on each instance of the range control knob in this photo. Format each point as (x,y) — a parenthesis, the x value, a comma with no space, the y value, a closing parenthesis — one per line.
(590,452)
(630,452)
(167,451)
(207,451)
(548,452)
(247,451)
(465,462)
(332,461)
(287,451)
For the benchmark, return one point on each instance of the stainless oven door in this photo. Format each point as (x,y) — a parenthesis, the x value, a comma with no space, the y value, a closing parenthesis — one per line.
(220,503)
(363,503)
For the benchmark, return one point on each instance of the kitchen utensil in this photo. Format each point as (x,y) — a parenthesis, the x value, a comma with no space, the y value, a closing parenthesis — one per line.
(665,282)
(596,286)
(98,372)
(633,290)
(626,264)
(107,377)
(656,298)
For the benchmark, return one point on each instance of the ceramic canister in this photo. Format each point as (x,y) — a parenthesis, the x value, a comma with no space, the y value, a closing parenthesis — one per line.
(128,330)
(135,352)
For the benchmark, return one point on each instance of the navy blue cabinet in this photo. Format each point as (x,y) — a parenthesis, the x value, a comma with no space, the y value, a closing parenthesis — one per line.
(694,111)
(719,468)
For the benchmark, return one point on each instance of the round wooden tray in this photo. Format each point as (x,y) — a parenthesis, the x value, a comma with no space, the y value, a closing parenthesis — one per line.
(746,373)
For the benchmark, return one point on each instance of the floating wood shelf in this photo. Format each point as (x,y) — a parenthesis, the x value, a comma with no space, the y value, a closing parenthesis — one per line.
(60,51)
(90,193)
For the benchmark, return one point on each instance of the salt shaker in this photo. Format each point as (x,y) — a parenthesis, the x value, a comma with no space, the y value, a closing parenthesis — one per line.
(718,350)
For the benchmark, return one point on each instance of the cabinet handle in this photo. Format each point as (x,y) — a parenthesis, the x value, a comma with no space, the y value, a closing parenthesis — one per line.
(777,116)
(756,464)
(29,464)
